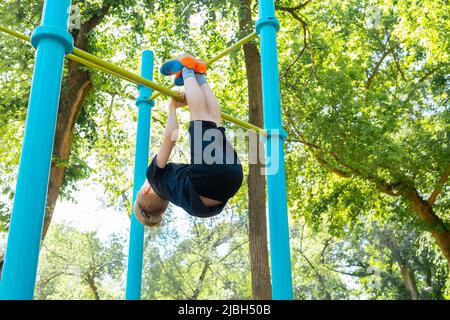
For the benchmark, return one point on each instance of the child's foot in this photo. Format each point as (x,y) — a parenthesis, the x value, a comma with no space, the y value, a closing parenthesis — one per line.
(200,67)
(174,67)
(171,67)
(179,81)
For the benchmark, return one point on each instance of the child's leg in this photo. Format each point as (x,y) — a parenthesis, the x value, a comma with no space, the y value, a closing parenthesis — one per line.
(212,105)
(195,97)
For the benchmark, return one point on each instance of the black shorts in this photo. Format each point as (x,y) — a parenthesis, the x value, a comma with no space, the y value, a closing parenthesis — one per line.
(216,171)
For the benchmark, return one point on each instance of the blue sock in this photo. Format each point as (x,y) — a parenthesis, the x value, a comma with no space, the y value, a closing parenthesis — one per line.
(201,79)
(170,67)
(187,73)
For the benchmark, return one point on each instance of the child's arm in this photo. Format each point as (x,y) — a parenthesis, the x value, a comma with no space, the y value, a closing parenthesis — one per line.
(170,134)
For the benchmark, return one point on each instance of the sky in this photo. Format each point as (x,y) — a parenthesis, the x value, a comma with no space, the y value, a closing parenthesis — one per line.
(89,214)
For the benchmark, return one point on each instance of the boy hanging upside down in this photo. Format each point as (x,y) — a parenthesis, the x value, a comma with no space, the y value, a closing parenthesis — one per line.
(214,175)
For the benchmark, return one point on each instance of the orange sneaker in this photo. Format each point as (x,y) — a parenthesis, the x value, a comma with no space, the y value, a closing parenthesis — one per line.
(201,66)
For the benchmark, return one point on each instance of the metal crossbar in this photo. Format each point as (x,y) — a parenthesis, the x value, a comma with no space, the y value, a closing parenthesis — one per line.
(92,61)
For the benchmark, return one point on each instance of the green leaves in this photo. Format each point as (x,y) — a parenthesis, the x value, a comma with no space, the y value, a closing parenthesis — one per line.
(81,262)
(365,92)
(366,97)
(197,259)
(369,105)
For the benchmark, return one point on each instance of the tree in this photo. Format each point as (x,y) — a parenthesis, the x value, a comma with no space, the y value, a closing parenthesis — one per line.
(259,255)
(370,102)
(206,261)
(81,94)
(365,103)
(393,261)
(77,85)
(81,262)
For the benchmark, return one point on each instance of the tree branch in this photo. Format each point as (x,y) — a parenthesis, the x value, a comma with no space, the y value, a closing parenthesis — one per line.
(376,68)
(92,285)
(438,188)
(174,282)
(343,169)
(306,34)
(372,75)
(300,6)
(422,79)
(319,276)
(232,250)
(80,36)
(200,281)
(359,274)
(286,71)
(97,18)
(399,68)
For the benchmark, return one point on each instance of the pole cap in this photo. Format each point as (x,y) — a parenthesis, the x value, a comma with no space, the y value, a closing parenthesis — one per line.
(273,21)
(43,32)
(144,101)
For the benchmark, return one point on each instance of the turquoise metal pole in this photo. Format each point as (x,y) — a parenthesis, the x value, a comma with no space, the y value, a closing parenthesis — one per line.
(267,26)
(136,249)
(24,239)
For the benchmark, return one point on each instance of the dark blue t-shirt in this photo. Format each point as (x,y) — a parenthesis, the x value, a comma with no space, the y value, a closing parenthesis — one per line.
(174,183)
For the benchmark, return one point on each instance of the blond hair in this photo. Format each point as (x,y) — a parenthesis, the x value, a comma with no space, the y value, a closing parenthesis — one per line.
(149,209)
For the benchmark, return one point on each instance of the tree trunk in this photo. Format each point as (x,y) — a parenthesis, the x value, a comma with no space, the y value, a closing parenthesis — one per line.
(407,273)
(91,282)
(259,256)
(201,279)
(410,281)
(436,226)
(77,86)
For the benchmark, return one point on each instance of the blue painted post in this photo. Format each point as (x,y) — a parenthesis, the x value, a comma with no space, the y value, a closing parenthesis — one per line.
(136,249)
(267,26)
(52,41)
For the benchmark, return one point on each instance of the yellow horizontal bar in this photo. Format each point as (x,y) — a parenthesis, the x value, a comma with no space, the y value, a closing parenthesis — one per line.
(244,124)
(93,65)
(95,62)
(127,74)
(14,34)
(227,51)
(235,46)
(69,56)
(158,94)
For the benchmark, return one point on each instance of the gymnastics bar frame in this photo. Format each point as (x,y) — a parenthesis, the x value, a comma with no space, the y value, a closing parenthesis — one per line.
(53,42)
